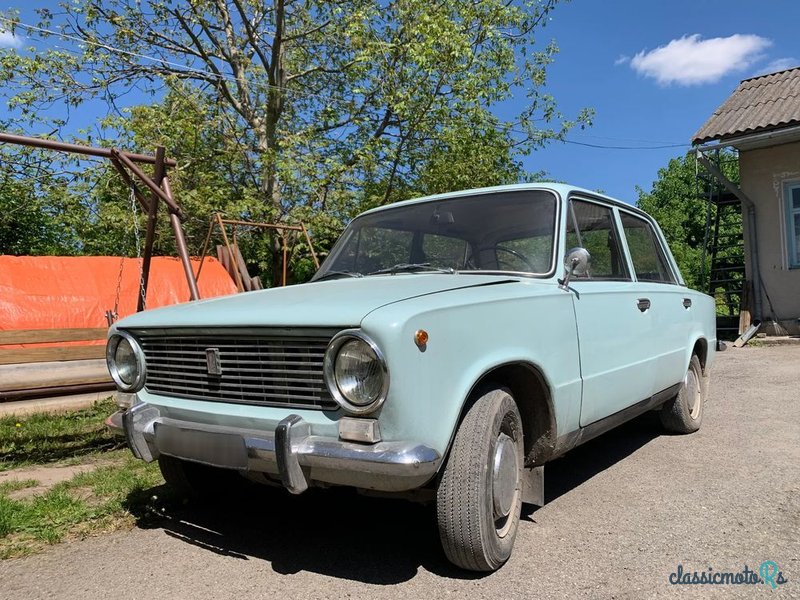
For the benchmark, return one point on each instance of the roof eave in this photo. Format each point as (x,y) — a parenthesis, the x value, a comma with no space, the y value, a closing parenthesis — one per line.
(751,141)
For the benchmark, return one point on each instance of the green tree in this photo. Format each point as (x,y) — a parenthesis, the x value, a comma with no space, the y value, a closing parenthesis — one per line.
(317,100)
(32,203)
(678,201)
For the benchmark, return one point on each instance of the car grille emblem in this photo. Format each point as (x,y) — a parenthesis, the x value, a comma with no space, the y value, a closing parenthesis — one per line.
(213,362)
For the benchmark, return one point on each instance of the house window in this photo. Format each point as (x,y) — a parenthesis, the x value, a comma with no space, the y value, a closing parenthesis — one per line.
(793,223)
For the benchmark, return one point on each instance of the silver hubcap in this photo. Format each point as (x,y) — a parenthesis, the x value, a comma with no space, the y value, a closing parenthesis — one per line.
(693,399)
(504,477)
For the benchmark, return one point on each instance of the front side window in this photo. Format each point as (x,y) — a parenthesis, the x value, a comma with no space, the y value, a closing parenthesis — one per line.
(647,254)
(591,226)
(502,231)
(792,195)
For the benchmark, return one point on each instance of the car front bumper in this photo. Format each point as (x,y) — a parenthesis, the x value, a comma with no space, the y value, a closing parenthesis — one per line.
(289,452)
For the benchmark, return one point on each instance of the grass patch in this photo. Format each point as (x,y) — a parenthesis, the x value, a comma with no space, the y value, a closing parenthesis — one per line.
(116,495)
(109,498)
(17,484)
(49,438)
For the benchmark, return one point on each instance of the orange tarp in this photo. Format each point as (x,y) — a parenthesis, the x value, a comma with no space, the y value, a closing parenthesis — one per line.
(60,292)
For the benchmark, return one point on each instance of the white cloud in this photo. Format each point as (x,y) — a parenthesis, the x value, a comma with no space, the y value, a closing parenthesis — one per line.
(691,60)
(9,40)
(621,60)
(779,64)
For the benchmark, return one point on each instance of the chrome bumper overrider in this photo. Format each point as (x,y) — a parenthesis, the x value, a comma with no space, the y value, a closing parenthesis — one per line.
(289,452)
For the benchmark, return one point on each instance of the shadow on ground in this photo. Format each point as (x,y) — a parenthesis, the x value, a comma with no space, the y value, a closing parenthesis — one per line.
(340,533)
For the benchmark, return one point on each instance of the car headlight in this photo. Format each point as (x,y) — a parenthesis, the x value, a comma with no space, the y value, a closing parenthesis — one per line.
(355,372)
(125,362)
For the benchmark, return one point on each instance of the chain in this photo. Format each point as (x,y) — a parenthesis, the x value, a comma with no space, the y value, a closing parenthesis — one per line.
(112,316)
(138,240)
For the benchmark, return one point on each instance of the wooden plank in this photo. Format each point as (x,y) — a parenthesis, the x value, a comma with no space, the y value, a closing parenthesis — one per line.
(52,405)
(28,376)
(61,390)
(41,336)
(225,260)
(240,264)
(30,355)
(745,318)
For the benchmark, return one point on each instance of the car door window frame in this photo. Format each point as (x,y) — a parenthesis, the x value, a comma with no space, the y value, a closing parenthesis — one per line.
(665,255)
(622,247)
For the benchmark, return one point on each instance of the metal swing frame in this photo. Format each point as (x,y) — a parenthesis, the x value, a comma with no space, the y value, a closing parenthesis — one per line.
(283,229)
(127,165)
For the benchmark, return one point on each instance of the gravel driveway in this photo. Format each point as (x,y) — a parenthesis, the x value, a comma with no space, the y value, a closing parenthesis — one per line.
(623,512)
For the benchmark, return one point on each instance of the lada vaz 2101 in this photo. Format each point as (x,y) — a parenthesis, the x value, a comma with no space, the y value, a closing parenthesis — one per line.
(447,349)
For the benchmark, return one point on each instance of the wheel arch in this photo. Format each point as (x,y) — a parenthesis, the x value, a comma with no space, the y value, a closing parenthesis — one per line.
(532,393)
(700,349)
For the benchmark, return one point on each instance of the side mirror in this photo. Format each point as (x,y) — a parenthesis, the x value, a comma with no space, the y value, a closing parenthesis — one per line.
(576,262)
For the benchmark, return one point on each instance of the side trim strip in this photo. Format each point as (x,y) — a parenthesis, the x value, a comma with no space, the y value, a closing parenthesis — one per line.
(576,438)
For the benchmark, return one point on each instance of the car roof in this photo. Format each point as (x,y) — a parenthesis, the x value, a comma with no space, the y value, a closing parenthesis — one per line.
(561,189)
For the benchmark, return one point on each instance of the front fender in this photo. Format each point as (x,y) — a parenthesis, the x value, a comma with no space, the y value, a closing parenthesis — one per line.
(467,339)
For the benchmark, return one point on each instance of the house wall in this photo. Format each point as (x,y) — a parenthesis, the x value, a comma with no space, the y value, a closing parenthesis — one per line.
(764,172)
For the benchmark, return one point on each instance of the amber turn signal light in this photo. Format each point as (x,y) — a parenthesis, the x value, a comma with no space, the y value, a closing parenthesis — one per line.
(421,337)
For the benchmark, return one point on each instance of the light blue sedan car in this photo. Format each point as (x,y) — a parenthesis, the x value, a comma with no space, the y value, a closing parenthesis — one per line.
(447,349)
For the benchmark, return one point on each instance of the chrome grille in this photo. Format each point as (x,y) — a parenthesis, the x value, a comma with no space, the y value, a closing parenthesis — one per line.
(262,369)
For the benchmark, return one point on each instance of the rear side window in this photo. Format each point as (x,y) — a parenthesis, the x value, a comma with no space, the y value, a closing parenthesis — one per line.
(647,254)
(591,226)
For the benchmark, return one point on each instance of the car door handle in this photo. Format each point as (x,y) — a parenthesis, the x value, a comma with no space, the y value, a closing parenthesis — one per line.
(687,302)
(643,304)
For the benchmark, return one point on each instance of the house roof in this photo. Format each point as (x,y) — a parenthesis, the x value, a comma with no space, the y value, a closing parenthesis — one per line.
(764,103)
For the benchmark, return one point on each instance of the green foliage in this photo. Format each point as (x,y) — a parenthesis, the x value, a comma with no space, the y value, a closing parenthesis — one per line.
(677,200)
(291,111)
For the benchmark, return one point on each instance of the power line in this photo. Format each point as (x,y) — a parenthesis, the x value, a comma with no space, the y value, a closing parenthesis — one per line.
(600,146)
(605,147)
(635,140)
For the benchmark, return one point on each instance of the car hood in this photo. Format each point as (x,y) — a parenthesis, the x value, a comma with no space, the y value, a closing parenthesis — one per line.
(335,303)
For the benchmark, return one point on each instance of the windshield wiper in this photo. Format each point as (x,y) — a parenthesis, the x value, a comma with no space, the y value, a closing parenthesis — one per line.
(411,267)
(330,274)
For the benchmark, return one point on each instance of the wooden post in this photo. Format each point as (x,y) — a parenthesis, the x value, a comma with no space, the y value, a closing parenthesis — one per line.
(239,283)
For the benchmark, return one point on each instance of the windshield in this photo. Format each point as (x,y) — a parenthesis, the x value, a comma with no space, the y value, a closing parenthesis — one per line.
(501,231)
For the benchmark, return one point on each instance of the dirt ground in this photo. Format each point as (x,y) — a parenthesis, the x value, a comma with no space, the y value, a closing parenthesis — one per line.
(623,512)
(46,477)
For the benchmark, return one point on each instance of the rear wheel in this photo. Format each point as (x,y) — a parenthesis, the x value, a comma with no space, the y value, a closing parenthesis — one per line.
(684,413)
(480,492)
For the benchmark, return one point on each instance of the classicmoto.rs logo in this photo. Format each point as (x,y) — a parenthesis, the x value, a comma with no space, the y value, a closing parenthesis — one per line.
(767,574)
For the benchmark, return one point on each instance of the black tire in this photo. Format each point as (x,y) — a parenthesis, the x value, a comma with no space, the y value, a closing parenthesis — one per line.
(473,536)
(195,481)
(684,412)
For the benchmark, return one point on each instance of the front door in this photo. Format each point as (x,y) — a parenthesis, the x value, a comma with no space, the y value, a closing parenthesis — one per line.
(614,328)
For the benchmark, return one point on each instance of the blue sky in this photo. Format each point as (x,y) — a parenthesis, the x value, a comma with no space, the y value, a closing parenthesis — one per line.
(654,71)
(660,98)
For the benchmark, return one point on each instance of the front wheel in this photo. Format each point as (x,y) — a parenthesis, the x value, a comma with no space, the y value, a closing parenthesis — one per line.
(684,412)
(480,493)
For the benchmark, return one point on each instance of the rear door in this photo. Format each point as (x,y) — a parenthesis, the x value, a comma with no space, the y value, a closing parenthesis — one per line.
(614,328)
(670,305)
